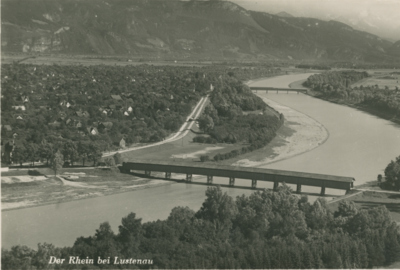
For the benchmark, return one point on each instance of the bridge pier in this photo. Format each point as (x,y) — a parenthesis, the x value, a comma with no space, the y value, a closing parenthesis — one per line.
(266,91)
(277,91)
(188,177)
(253,183)
(167,175)
(209,179)
(298,190)
(322,191)
(231,181)
(147,173)
(276,184)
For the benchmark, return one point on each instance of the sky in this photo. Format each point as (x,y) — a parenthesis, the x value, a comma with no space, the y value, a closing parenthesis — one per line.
(381,17)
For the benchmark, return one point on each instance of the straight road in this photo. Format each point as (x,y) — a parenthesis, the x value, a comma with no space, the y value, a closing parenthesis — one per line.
(182,132)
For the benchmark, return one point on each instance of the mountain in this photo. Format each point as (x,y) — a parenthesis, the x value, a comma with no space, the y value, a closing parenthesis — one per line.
(374,24)
(395,49)
(208,30)
(284,14)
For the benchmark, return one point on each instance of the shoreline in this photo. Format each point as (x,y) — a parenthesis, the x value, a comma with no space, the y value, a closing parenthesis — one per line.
(113,192)
(307,134)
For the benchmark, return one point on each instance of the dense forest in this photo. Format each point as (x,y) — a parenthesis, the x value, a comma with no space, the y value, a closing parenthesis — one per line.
(236,115)
(86,110)
(263,230)
(337,86)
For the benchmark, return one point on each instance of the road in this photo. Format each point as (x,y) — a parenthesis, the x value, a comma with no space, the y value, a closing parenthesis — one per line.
(182,132)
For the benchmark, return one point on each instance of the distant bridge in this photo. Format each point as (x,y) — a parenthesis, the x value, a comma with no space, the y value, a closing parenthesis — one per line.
(287,90)
(253,174)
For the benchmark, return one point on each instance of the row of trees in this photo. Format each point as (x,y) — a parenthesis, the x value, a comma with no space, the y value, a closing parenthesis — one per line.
(71,151)
(336,85)
(264,230)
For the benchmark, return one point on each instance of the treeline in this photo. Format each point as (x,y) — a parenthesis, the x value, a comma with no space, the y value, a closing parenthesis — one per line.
(236,115)
(105,104)
(334,79)
(337,86)
(266,230)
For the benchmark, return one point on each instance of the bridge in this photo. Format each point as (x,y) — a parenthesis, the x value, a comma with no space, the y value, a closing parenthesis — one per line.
(287,90)
(248,173)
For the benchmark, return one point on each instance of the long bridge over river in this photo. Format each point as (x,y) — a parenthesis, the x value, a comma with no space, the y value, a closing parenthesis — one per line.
(248,173)
(272,89)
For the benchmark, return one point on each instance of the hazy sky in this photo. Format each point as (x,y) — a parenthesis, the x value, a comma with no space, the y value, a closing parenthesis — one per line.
(383,15)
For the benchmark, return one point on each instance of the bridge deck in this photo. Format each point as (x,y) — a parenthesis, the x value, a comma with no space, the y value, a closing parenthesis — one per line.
(261,174)
(278,89)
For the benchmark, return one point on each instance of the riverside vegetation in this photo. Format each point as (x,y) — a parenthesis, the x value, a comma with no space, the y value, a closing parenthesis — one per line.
(263,230)
(236,115)
(336,86)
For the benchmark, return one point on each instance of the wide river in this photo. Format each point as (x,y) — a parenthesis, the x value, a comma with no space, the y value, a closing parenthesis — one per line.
(359,145)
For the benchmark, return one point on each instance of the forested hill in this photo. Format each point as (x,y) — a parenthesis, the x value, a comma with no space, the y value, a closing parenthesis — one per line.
(211,30)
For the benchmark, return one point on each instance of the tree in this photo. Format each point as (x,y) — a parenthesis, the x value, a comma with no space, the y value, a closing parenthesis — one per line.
(84,151)
(110,162)
(57,162)
(129,232)
(94,152)
(117,158)
(46,151)
(32,151)
(392,173)
(70,151)
(19,154)
(206,123)
(218,208)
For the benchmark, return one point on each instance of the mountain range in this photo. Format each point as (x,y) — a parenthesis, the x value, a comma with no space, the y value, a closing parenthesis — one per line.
(207,30)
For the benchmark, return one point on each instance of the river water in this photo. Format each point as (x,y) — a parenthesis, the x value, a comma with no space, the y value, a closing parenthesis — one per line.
(359,145)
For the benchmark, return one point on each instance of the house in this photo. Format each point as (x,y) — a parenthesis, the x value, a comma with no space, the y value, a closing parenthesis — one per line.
(20,107)
(78,125)
(55,124)
(7,127)
(111,107)
(130,109)
(68,121)
(104,126)
(19,117)
(93,131)
(82,114)
(122,143)
(116,97)
(62,115)
(126,113)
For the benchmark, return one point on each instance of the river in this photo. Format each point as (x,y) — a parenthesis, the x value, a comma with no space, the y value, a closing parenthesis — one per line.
(359,145)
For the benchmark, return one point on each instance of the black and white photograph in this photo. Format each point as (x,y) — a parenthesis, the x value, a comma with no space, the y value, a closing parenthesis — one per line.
(200,134)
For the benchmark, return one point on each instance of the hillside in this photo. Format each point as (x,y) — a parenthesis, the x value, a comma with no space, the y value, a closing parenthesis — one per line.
(205,30)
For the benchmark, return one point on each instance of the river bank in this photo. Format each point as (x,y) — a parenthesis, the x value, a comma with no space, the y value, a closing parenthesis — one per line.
(299,134)
(367,109)
(37,187)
